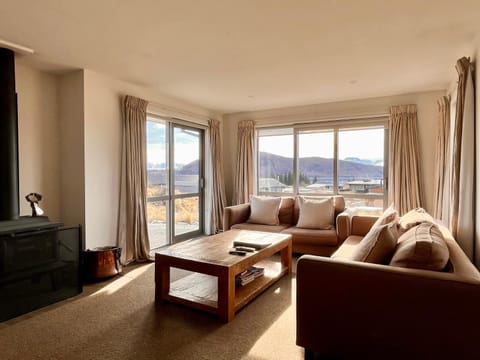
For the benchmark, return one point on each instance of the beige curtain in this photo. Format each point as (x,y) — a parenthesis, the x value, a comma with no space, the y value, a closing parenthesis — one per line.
(441,156)
(243,185)
(133,233)
(405,189)
(218,197)
(462,206)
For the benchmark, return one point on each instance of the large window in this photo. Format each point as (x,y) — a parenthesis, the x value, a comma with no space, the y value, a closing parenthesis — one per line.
(316,161)
(346,158)
(361,172)
(275,161)
(174,181)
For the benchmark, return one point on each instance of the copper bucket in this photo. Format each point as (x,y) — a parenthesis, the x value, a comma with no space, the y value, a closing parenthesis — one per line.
(102,262)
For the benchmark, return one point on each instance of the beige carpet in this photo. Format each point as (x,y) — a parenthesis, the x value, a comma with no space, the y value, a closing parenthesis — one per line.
(118,319)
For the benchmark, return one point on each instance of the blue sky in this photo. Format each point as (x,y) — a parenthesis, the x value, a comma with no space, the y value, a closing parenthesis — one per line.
(186,145)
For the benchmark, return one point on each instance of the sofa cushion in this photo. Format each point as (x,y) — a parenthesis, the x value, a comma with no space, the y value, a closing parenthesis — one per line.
(312,236)
(316,214)
(285,213)
(338,203)
(413,218)
(378,245)
(348,247)
(389,215)
(264,210)
(260,227)
(421,247)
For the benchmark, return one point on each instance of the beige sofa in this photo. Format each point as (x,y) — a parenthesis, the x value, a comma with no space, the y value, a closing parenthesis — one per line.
(304,241)
(354,310)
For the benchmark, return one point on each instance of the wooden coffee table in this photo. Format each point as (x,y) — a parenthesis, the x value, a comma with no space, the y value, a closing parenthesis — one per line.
(211,287)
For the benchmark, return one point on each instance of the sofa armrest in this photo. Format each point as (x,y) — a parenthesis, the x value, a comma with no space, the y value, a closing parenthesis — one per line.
(361,224)
(352,309)
(236,214)
(343,226)
(347,223)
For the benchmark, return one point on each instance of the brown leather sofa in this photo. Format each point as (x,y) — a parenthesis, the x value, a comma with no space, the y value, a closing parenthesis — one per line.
(354,310)
(304,241)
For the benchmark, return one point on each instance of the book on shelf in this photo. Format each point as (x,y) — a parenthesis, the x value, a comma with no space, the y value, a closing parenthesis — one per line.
(249,275)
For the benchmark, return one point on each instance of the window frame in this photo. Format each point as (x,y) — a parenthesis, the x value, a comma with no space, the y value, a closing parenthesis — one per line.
(336,126)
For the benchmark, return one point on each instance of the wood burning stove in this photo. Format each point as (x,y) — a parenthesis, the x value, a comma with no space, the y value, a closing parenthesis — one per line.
(38,267)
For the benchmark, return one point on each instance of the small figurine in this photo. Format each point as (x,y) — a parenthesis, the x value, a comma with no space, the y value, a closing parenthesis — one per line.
(33,199)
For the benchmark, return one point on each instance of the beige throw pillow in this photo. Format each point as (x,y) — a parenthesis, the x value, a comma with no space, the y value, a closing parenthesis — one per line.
(413,218)
(316,214)
(264,210)
(378,245)
(389,215)
(422,247)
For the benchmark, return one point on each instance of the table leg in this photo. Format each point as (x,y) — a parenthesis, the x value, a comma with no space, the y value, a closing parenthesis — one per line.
(226,295)
(286,256)
(162,280)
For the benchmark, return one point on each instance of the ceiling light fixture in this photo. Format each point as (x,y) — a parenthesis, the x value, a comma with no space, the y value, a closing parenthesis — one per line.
(18,49)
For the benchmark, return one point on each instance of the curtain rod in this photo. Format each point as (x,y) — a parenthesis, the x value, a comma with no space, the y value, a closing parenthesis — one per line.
(171,111)
(311,118)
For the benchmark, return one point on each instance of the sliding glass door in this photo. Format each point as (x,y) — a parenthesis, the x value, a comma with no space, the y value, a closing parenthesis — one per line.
(175,164)
(186,195)
(158,189)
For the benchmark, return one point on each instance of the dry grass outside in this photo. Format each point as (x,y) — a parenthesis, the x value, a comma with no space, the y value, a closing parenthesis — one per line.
(186,210)
(156,190)
(156,211)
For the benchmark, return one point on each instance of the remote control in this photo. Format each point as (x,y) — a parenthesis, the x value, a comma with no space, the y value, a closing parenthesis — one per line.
(245,248)
(236,252)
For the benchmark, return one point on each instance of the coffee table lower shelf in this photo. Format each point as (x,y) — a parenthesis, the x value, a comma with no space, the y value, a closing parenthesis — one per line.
(201,291)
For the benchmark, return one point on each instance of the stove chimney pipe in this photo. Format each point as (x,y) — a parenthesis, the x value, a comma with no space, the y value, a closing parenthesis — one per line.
(9,199)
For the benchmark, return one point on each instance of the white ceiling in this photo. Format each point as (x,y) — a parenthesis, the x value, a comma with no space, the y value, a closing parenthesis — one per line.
(245,55)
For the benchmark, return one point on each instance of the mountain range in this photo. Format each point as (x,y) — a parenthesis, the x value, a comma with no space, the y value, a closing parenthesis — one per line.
(376,162)
(272,165)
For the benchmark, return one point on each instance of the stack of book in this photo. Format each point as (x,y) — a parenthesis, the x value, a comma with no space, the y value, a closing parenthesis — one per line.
(248,275)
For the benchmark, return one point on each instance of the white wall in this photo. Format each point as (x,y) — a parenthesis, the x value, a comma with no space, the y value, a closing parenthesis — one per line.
(426,103)
(71,104)
(50,127)
(39,139)
(103,144)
